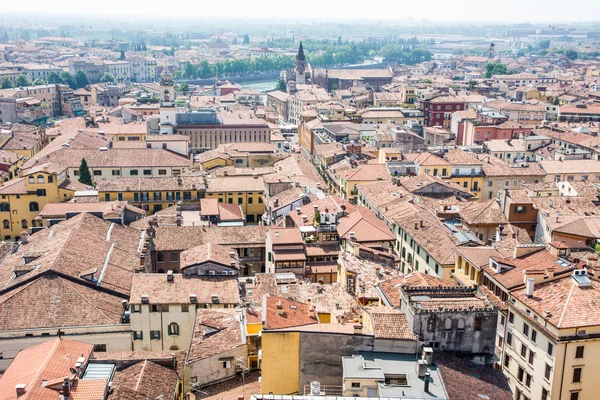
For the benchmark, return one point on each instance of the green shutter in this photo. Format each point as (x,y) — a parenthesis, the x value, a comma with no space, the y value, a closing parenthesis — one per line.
(169,330)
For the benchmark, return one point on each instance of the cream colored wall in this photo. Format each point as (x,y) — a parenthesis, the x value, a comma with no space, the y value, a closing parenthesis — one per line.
(147,321)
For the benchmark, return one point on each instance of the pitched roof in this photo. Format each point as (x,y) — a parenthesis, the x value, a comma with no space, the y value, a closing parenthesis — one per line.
(169,238)
(291,313)
(215,332)
(390,324)
(49,361)
(208,252)
(151,184)
(366,172)
(79,247)
(365,226)
(145,380)
(178,291)
(485,212)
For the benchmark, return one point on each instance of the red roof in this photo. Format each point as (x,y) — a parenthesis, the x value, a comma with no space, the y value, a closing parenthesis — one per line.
(283,313)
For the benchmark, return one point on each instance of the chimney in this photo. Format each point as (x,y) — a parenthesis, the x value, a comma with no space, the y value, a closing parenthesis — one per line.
(24,236)
(279,307)
(311,312)
(427,377)
(422,368)
(170,275)
(421,224)
(530,285)
(416,225)
(298,210)
(378,176)
(66,388)
(20,389)
(358,329)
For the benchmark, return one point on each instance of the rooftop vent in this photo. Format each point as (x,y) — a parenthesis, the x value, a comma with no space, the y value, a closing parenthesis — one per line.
(145,299)
(170,275)
(193,298)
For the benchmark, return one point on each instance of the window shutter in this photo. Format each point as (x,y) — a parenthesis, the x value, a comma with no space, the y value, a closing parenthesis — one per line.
(169,329)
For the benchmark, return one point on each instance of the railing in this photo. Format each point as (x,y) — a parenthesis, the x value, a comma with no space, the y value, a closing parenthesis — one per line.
(326,390)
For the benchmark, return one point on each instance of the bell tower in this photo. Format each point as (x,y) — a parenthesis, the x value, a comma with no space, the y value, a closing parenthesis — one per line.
(167,90)
(300,66)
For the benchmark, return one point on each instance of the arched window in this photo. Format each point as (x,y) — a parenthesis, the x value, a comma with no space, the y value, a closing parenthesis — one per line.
(461,325)
(50,179)
(6,224)
(40,179)
(31,179)
(448,324)
(173,329)
(24,224)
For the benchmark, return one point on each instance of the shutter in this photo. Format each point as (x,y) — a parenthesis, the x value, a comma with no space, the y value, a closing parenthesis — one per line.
(169,330)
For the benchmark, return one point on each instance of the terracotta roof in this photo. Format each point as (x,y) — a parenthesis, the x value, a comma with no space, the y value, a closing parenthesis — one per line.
(365,225)
(571,166)
(293,313)
(390,324)
(161,291)
(487,212)
(144,381)
(49,361)
(563,303)
(366,172)
(285,236)
(459,157)
(209,207)
(215,332)
(168,238)
(151,184)
(493,166)
(60,210)
(76,245)
(208,252)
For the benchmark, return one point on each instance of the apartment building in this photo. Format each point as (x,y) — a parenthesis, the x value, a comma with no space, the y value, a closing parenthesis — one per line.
(499,175)
(163,307)
(246,191)
(550,337)
(120,70)
(143,69)
(152,194)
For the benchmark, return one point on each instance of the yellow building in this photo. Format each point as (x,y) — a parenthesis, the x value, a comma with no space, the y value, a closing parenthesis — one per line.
(211,159)
(22,199)
(247,191)
(9,164)
(152,194)
(430,164)
(23,140)
(466,170)
(363,174)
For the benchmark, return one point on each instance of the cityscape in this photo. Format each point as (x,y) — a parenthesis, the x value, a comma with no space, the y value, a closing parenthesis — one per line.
(267,201)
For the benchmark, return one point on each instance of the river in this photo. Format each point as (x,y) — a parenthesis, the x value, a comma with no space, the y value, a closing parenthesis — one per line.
(260,86)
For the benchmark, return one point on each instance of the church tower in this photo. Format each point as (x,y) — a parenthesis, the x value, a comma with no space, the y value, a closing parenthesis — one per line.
(492,50)
(300,66)
(167,90)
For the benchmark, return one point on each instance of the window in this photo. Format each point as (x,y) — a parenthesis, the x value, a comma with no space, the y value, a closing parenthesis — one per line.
(51,180)
(154,335)
(545,394)
(185,308)
(509,338)
(97,172)
(76,173)
(447,325)
(533,335)
(355,384)
(138,335)
(5,207)
(226,364)
(160,256)
(136,196)
(525,329)
(576,375)
(260,200)
(147,172)
(523,350)
(511,317)
(120,196)
(550,348)
(136,308)
(133,172)
(31,179)
(6,224)
(431,324)
(116,172)
(579,352)
(478,323)
(24,223)
(461,325)
(107,197)
(100,348)
(173,329)
(230,200)
(40,179)
(506,360)
(531,357)
(240,200)
(520,209)
(574,396)
(547,372)
(520,374)
(527,380)
(162,171)
(34,206)
(174,256)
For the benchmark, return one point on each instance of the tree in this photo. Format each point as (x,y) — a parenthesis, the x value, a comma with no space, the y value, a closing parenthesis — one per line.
(38,82)
(281,85)
(544,44)
(184,87)
(246,40)
(122,56)
(68,79)
(53,78)
(85,176)
(107,78)
(494,69)
(472,85)
(204,70)
(81,78)
(572,54)
(6,83)
(189,71)
(22,80)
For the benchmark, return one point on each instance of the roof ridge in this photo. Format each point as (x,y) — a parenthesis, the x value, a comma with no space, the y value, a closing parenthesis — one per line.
(42,367)
(564,311)
(141,375)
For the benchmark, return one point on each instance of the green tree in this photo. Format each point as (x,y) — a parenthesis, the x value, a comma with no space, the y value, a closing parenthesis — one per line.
(38,82)
(246,39)
(472,85)
(85,176)
(184,87)
(572,54)
(204,70)
(6,83)
(281,85)
(68,79)
(544,44)
(81,78)
(189,71)
(122,56)
(53,78)
(107,78)
(22,80)
(494,69)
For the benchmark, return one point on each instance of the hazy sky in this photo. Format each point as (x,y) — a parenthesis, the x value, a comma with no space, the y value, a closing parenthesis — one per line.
(434,10)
